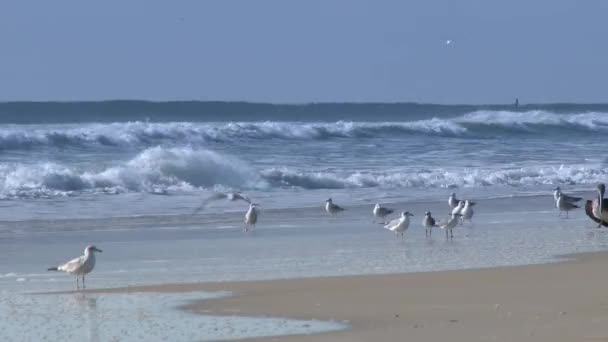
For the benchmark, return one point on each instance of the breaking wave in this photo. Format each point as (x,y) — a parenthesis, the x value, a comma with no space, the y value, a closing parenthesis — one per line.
(146,134)
(166,170)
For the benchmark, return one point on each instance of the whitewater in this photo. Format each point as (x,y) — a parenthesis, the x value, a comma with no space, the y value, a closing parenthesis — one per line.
(510,151)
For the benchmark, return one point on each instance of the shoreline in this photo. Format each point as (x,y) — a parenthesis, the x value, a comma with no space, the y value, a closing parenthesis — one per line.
(563,300)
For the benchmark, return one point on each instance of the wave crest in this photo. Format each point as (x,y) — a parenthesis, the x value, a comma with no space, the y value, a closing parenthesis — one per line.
(144,134)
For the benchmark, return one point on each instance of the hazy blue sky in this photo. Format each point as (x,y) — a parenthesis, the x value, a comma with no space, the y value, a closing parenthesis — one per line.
(288,51)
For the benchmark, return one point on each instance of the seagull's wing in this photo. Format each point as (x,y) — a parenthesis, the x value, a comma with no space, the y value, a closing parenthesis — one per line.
(392,224)
(72,265)
(571,198)
(232,196)
(432,222)
(216,196)
(239,196)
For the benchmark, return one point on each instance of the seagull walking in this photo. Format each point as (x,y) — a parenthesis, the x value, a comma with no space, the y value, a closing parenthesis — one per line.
(332,208)
(251,217)
(563,205)
(381,212)
(399,225)
(80,266)
(428,222)
(452,222)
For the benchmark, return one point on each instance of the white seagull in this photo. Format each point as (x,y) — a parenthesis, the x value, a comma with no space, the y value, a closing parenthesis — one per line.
(563,205)
(453,201)
(251,217)
(332,208)
(458,208)
(452,222)
(381,212)
(467,212)
(428,222)
(400,225)
(557,191)
(231,196)
(80,266)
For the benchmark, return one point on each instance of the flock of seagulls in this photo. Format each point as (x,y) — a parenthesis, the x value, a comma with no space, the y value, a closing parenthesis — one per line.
(596,209)
(461,211)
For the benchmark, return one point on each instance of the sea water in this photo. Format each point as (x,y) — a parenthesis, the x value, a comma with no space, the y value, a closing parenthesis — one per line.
(128,176)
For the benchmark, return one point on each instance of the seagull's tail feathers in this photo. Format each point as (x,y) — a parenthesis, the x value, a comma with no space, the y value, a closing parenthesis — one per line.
(55,268)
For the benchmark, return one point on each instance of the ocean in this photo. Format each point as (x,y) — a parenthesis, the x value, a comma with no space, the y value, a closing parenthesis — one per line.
(128,177)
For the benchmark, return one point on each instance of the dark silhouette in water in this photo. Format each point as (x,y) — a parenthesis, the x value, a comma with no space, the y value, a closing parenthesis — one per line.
(516,103)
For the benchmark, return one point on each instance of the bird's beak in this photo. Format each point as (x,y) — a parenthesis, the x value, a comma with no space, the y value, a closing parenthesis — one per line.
(98,250)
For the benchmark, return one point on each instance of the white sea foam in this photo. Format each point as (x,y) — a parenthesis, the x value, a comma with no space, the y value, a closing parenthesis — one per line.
(146,134)
(164,170)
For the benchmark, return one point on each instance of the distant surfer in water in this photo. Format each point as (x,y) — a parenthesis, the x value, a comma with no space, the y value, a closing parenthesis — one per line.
(516,103)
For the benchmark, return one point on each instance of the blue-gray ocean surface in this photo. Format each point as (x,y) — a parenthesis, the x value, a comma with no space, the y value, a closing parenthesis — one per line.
(127,176)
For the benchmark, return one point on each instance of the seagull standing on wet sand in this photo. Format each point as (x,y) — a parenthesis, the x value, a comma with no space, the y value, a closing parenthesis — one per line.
(400,225)
(428,222)
(381,212)
(80,266)
(332,208)
(563,205)
(251,217)
(452,222)
(557,191)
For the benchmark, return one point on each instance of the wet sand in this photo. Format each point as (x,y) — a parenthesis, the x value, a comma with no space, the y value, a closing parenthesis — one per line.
(565,301)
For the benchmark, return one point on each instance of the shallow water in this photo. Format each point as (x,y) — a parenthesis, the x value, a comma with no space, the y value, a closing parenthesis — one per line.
(134,317)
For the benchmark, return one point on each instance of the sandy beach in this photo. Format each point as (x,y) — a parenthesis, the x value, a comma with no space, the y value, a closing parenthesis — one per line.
(563,301)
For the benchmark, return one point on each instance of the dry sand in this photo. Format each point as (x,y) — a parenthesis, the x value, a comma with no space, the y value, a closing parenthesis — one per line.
(565,301)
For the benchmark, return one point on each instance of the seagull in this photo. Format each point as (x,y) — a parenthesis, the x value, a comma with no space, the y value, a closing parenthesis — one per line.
(399,225)
(80,266)
(563,205)
(453,201)
(467,212)
(568,198)
(428,222)
(231,196)
(381,212)
(597,209)
(458,208)
(332,208)
(251,217)
(452,222)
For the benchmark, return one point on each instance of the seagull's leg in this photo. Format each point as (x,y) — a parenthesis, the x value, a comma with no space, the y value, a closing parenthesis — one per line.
(77,283)
(83,286)
(566,213)
(446,234)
